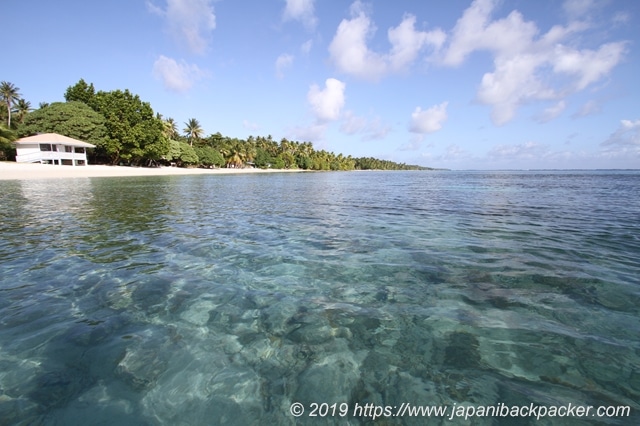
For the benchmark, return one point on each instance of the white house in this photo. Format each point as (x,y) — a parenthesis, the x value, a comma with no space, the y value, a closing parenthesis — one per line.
(52,148)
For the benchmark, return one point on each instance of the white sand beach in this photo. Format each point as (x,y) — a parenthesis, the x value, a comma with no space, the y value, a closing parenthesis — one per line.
(19,171)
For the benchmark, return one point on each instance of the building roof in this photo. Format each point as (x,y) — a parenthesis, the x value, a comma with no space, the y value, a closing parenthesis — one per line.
(55,139)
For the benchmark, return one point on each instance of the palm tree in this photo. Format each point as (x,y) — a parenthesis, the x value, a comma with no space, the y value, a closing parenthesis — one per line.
(193,130)
(237,157)
(250,151)
(171,128)
(9,94)
(22,109)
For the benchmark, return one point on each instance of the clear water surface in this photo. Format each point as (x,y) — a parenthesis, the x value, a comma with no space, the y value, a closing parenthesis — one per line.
(199,300)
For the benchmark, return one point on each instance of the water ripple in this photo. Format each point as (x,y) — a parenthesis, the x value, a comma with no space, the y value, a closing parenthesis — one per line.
(197,299)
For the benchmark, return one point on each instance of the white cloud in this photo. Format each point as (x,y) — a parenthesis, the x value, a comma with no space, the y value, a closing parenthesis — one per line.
(407,42)
(189,21)
(306,47)
(528,66)
(352,123)
(302,11)
(474,31)
(349,51)
(513,83)
(313,133)
(284,61)
(351,55)
(370,129)
(624,143)
(453,155)
(552,112)
(621,18)
(327,103)
(589,108)
(587,66)
(576,9)
(249,125)
(428,121)
(177,77)
(524,151)
(414,144)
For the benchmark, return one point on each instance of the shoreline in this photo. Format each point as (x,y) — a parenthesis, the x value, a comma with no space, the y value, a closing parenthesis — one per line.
(10,170)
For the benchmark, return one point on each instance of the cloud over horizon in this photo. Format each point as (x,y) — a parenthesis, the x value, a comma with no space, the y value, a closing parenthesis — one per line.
(624,142)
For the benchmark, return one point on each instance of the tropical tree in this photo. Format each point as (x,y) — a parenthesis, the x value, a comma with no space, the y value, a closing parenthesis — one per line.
(193,130)
(7,150)
(6,135)
(9,94)
(215,141)
(74,119)
(170,128)
(250,151)
(236,158)
(303,155)
(23,107)
(173,153)
(81,92)
(187,155)
(208,156)
(134,133)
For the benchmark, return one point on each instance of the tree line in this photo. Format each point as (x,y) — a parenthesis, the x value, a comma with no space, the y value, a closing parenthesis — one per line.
(126,130)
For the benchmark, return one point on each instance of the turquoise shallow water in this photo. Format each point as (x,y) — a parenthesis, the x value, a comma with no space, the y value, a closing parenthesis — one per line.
(203,300)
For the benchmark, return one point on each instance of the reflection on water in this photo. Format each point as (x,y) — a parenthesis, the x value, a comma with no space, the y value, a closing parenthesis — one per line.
(206,300)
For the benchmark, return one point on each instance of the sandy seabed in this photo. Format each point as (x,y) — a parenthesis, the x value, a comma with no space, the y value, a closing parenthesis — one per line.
(19,171)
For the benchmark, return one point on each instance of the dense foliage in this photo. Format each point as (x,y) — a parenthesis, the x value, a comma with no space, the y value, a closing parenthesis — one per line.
(133,132)
(74,119)
(7,150)
(126,130)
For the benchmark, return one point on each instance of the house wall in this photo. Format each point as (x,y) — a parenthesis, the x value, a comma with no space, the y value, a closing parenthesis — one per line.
(59,154)
(26,153)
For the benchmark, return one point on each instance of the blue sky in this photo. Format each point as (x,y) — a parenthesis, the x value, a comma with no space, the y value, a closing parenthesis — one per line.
(484,84)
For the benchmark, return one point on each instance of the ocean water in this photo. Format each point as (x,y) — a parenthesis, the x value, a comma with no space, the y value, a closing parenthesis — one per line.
(203,300)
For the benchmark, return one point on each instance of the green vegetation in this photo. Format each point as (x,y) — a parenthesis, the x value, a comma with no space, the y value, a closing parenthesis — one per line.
(126,130)
(9,94)
(74,119)
(134,134)
(7,151)
(193,131)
